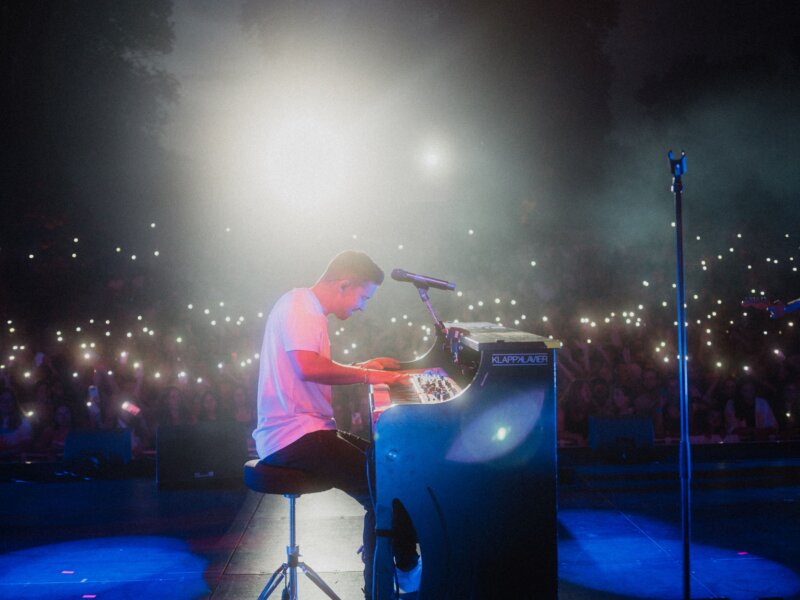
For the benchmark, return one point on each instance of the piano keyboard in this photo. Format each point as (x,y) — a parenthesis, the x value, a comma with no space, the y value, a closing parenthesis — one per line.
(427,386)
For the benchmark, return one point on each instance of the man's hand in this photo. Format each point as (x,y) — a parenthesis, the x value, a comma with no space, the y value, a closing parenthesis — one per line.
(389,377)
(381,363)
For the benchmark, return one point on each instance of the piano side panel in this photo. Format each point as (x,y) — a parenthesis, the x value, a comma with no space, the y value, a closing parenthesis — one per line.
(477,475)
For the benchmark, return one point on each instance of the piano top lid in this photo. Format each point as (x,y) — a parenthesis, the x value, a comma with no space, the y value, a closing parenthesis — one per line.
(474,335)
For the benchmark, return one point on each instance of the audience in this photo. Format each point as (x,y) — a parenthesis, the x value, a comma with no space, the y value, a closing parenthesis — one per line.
(622,364)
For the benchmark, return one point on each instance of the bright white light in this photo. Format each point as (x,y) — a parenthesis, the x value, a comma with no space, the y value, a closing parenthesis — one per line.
(306,160)
(431,158)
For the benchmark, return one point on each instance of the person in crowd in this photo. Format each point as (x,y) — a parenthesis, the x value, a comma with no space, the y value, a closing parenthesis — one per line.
(40,410)
(720,392)
(16,432)
(242,409)
(573,416)
(210,410)
(651,401)
(669,418)
(749,415)
(601,396)
(173,408)
(54,436)
(708,427)
(621,404)
(787,409)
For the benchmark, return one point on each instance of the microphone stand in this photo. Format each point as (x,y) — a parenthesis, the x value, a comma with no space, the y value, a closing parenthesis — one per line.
(678,168)
(423,293)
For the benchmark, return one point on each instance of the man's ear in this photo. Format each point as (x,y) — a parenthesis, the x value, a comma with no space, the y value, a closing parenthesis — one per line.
(344,284)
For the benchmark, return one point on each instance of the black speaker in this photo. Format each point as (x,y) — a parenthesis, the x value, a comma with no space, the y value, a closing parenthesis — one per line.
(199,455)
(105,446)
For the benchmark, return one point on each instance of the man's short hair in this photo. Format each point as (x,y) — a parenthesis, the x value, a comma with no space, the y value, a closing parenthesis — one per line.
(352,264)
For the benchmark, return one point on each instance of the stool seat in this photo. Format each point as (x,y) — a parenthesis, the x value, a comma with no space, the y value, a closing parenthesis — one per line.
(269,479)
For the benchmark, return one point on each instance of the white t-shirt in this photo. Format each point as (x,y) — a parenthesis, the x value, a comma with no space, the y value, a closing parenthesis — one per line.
(288,407)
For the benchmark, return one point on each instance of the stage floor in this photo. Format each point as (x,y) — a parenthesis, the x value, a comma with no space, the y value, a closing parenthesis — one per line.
(619,536)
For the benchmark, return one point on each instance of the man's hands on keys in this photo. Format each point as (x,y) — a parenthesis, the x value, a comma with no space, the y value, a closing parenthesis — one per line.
(389,377)
(381,363)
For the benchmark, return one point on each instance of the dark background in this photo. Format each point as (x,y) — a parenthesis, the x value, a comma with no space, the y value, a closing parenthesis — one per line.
(556,118)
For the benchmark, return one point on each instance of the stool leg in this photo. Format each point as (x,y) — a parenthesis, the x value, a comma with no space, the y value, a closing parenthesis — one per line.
(292,551)
(288,570)
(273,582)
(320,583)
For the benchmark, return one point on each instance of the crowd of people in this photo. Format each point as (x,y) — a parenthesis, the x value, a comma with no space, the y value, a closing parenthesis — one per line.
(37,418)
(162,361)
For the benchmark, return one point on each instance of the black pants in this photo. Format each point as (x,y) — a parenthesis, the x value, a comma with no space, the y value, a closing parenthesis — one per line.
(341,459)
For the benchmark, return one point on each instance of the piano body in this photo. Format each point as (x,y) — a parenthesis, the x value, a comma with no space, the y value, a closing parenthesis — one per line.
(472,458)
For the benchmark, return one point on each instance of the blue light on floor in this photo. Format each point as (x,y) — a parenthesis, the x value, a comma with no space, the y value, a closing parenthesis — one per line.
(640,557)
(105,568)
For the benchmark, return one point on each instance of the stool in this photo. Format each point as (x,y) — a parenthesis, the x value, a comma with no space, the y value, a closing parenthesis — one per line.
(291,483)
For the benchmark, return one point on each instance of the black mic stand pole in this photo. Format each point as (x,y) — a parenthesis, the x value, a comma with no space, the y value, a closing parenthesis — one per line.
(678,168)
(423,293)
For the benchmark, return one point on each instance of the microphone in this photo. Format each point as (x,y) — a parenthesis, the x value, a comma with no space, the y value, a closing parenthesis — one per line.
(422,281)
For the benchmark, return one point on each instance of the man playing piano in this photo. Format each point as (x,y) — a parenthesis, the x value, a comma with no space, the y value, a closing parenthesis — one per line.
(295,425)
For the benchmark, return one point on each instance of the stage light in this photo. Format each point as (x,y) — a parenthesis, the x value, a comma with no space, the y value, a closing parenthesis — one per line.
(431,159)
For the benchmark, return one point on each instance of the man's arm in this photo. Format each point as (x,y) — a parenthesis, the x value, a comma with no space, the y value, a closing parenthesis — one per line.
(310,366)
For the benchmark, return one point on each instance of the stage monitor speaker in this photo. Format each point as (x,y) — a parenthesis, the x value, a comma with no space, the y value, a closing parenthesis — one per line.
(202,454)
(107,447)
(621,433)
